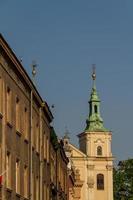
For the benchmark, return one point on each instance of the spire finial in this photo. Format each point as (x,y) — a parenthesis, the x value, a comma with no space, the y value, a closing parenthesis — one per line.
(93,72)
(66,133)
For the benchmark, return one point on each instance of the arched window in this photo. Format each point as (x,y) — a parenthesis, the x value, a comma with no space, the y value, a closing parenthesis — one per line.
(95,108)
(99,151)
(100,182)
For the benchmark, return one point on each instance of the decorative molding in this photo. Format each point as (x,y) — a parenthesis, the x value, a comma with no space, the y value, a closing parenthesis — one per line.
(90,182)
(78,184)
(90,167)
(109,167)
(9,124)
(26,140)
(99,140)
(9,189)
(18,133)
(1,115)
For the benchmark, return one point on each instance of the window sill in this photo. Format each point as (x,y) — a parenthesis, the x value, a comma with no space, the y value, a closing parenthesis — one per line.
(18,133)
(25,198)
(26,140)
(9,124)
(37,153)
(1,115)
(48,163)
(100,189)
(9,189)
(45,159)
(18,195)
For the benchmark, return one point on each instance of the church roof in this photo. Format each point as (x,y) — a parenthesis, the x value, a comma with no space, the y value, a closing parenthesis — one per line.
(77,153)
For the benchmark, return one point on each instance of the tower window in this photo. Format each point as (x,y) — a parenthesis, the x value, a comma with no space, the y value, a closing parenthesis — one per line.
(100,182)
(95,108)
(99,151)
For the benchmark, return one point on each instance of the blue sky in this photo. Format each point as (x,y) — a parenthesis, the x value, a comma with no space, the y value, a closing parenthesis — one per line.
(66,38)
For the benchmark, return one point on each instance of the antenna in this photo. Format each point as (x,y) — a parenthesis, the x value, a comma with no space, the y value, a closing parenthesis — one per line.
(34,66)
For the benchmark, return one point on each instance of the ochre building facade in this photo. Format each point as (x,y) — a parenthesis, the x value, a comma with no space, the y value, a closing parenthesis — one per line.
(58,166)
(24,133)
(33,163)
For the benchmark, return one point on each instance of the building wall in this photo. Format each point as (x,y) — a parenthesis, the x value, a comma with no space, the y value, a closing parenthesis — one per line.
(100,164)
(53,165)
(58,169)
(24,133)
(62,175)
(90,166)
(79,161)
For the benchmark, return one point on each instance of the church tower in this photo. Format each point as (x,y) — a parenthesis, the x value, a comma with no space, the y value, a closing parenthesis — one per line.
(95,142)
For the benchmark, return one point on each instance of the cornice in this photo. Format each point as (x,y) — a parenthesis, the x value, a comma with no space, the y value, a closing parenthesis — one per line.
(85,133)
(12,57)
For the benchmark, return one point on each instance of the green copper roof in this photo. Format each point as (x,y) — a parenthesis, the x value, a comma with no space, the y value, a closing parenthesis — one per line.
(94,95)
(94,121)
